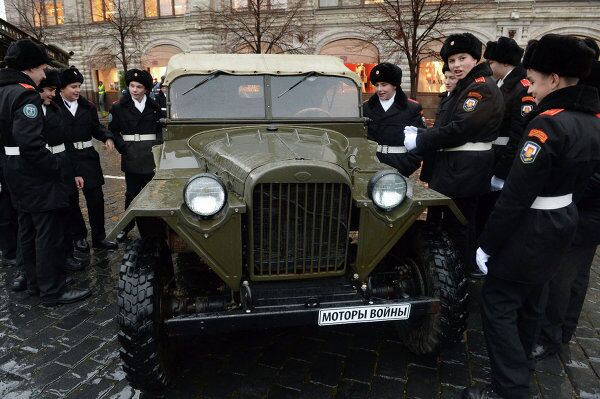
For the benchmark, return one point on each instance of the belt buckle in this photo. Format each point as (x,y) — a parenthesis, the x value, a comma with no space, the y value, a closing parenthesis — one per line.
(136,137)
(78,145)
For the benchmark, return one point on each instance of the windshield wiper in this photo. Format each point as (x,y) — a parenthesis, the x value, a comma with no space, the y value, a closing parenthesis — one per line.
(308,75)
(200,83)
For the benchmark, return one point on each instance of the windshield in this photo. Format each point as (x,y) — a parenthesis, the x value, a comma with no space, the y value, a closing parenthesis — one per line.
(225,96)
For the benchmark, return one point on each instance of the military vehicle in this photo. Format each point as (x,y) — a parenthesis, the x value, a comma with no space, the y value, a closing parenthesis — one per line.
(269,208)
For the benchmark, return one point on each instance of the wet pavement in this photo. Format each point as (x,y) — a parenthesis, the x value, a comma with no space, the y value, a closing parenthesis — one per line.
(72,351)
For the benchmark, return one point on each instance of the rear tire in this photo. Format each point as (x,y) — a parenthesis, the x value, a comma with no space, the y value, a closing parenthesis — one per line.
(145,350)
(444,279)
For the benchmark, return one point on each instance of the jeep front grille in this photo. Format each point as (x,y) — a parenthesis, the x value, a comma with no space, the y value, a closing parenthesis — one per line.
(299,229)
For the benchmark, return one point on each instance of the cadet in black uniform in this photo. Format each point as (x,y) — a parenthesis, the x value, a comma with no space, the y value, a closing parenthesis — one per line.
(389,112)
(134,122)
(504,58)
(567,289)
(535,218)
(33,175)
(81,124)
(463,139)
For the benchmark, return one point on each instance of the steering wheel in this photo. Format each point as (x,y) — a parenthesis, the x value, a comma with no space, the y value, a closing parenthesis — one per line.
(312,112)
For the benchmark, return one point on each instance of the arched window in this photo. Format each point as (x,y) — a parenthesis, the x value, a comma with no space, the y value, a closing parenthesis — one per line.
(156,59)
(358,55)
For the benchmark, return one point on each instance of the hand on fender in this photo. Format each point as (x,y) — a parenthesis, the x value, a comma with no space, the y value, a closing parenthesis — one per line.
(410,137)
(482,258)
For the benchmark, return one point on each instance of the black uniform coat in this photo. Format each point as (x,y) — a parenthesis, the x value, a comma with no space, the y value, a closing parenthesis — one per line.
(54,133)
(125,118)
(33,176)
(82,127)
(429,158)
(558,155)
(474,114)
(387,128)
(517,105)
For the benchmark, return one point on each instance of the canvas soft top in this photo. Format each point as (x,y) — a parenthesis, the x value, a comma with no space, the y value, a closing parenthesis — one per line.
(250,64)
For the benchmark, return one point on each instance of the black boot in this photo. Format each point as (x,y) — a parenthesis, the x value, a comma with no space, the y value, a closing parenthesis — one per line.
(542,351)
(73,264)
(81,245)
(105,244)
(19,283)
(67,296)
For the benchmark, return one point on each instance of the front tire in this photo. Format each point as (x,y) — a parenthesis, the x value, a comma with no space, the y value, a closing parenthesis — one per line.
(145,270)
(443,278)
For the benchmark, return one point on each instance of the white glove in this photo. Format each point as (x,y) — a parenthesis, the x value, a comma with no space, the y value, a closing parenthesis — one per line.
(410,137)
(482,258)
(496,184)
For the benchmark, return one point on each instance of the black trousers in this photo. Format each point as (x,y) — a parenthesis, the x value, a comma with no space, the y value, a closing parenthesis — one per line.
(566,295)
(464,236)
(8,224)
(511,313)
(94,199)
(485,206)
(134,183)
(41,238)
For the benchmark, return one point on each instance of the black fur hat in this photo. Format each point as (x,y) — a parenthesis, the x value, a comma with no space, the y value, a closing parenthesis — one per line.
(505,51)
(461,43)
(142,77)
(52,78)
(25,54)
(386,72)
(560,54)
(591,43)
(70,75)
(593,78)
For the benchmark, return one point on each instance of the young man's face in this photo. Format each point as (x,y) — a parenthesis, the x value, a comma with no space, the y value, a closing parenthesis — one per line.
(37,74)
(47,94)
(541,84)
(137,90)
(385,90)
(450,81)
(71,91)
(461,64)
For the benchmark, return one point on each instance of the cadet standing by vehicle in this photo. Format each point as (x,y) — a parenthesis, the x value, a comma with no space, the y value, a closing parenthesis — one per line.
(463,140)
(568,287)
(32,173)
(504,58)
(81,124)
(390,111)
(535,218)
(134,124)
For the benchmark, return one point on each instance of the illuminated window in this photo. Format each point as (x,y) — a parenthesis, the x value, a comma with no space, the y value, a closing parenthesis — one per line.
(372,1)
(269,4)
(431,77)
(48,12)
(164,8)
(102,10)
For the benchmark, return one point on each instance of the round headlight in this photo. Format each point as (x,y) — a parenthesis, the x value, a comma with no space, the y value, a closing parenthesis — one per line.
(387,189)
(205,194)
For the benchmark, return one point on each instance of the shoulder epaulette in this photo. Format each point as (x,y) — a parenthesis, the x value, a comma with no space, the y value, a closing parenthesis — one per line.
(29,87)
(411,100)
(525,82)
(475,94)
(480,79)
(527,99)
(552,112)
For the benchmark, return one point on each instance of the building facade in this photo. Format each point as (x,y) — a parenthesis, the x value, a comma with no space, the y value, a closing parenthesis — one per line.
(174,26)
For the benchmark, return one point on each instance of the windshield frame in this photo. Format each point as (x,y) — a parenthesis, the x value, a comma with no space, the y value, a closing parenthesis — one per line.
(267,101)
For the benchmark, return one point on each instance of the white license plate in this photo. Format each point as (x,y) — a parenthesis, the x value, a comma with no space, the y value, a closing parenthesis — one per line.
(364,314)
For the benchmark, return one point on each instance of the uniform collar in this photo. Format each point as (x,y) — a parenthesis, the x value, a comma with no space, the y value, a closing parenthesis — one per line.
(580,98)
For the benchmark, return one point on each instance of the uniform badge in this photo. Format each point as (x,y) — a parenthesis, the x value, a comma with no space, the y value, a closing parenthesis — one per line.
(525,109)
(470,104)
(30,111)
(529,152)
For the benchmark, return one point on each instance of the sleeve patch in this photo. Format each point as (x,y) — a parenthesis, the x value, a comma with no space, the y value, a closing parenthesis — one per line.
(525,82)
(527,99)
(539,134)
(480,79)
(28,87)
(474,94)
(529,152)
(552,112)
(30,111)
(470,104)
(526,108)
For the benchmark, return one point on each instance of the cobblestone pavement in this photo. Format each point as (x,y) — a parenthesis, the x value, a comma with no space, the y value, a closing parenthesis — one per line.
(72,351)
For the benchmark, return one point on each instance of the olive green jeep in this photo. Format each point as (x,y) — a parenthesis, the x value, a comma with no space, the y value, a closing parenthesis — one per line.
(269,208)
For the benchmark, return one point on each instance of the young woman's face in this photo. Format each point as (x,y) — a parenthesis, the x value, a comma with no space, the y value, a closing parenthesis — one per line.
(385,90)
(461,64)
(71,91)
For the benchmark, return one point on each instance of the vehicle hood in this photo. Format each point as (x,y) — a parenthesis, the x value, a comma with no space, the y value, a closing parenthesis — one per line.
(238,151)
